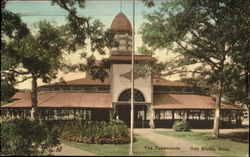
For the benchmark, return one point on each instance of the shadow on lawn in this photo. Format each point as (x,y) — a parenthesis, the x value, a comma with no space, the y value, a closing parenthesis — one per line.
(236,136)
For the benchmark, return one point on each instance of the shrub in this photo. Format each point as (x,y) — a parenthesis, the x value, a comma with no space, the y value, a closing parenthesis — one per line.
(181,126)
(24,137)
(99,132)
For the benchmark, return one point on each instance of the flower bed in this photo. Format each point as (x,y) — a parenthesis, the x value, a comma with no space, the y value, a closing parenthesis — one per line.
(96,132)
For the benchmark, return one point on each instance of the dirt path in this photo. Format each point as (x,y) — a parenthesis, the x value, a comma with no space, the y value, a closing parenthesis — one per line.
(71,151)
(171,145)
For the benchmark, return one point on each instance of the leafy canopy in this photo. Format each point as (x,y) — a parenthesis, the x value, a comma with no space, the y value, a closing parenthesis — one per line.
(81,29)
(38,55)
(22,137)
(210,36)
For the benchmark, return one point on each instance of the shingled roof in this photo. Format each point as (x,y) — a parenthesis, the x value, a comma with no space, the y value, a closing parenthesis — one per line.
(102,100)
(121,23)
(186,101)
(21,95)
(66,99)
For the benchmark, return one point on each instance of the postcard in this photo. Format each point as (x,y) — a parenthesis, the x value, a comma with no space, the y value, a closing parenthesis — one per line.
(125,78)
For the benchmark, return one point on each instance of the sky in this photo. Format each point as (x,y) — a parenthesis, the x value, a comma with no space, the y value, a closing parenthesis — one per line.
(104,10)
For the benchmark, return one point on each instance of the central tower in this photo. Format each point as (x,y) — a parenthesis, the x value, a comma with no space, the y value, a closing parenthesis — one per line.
(123,34)
(120,59)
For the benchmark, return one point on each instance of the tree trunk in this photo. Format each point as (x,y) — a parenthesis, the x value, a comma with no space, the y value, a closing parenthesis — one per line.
(34,112)
(247,72)
(216,127)
(248,113)
(151,117)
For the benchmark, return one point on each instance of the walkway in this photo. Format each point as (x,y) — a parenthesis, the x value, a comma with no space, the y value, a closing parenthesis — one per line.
(72,151)
(179,147)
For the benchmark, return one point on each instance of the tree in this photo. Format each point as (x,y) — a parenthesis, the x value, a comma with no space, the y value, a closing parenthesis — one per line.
(22,137)
(235,86)
(28,55)
(196,30)
(7,91)
(79,29)
(35,56)
(39,56)
(12,28)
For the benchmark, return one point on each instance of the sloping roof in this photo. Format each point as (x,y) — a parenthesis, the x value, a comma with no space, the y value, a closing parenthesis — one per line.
(121,23)
(66,99)
(20,95)
(82,81)
(163,82)
(186,101)
(102,100)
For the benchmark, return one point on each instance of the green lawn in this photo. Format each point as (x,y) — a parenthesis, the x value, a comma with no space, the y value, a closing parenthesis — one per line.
(117,149)
(237,143)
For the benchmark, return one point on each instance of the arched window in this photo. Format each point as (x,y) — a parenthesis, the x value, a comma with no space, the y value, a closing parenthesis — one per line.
(126,96)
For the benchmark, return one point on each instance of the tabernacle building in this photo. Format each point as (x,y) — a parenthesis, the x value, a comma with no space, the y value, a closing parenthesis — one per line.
(158,102)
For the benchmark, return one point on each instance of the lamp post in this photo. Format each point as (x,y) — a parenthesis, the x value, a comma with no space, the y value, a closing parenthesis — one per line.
(132,85)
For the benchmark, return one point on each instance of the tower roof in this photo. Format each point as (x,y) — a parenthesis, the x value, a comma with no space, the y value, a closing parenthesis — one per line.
(121,24)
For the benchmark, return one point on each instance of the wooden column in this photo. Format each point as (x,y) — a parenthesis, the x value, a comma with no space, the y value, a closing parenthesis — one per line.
(39,114)
(75,114)
(68,113)
(117,112)
(229,118)
(223,115)
(238,119)
(184,115)
(111,114)
(172,114)
(89,114)
(206,115)
(81,113)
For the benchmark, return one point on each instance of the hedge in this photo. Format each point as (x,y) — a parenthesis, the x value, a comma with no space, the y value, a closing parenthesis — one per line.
(96,132)
(23,137)
(181,126)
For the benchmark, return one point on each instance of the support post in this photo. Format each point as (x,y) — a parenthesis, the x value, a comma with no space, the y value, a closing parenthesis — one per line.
(184,115)
(132,85)
(117,112)
(206,115)
(238,119)
(173,115)
(229,118)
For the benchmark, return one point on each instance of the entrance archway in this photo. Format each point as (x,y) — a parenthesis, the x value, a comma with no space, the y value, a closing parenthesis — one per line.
(123,107)
(125,96)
